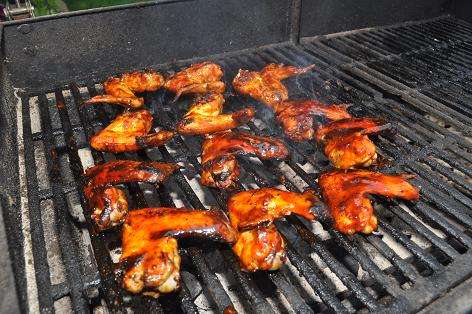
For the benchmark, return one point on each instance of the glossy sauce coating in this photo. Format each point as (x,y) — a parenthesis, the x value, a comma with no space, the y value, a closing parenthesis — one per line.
(128,132)
(260,249)
(205,116)
(297,117)
(253,208)
(220,168)
(121,90)
(153,223)
(346,195)
(347,144)
(266,85)
(150,256)
(199,78)
(124,171)
(109,206)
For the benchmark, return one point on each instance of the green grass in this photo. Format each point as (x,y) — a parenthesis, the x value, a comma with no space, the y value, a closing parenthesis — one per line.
(46,7)
(89,4)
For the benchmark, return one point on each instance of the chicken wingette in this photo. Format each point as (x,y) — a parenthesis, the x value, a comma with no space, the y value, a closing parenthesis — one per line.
(266,85)
(108,203)
(346,142)
(219,165)
(121,90)
(253,208)
(260,246)
(297,117)
(205,116)
(346,195)
(150,257)
(128,132)
(199,78)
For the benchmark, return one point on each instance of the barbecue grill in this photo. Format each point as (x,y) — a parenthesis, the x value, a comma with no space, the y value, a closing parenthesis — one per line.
(409,62)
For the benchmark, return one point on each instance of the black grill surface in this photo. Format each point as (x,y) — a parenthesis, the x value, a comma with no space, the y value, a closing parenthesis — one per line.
(417,76)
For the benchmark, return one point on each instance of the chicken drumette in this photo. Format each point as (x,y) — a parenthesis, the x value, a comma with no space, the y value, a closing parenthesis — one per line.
(108,203)
(121,90)
(346,195)
(260,246)
(266,85)
(199,78)
(346,143)
(260,249)
(205,116)
(219,150)
(297,117)
(150,255)
(129,132)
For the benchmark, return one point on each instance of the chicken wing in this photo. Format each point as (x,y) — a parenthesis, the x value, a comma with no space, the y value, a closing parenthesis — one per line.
(125,171)
(150,256)
(346,195)
(129,132)
(205,116)
(199,78)
(297,117)
(109,206)
(253,208)
(220,167)
(266,85)
(347,144)
(108,203)
(260,249)
(121,90)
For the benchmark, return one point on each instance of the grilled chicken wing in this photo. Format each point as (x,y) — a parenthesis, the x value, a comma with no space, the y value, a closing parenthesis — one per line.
(121,90)
(297,116)
(125,171)
(199,78)
(220,167)
(260,249)
(150,255)
(347,144)
(266,85)
(129,132)
(109,206)
(205,116)
(108,203)
(253,208)
(346,195)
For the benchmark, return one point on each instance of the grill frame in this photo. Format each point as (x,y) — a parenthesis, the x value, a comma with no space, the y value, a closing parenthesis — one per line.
(385,90)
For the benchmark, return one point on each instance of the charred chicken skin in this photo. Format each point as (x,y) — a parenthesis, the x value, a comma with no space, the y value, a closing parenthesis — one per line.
(254,208)
(108,203)
(347,144)
(150,255)
(266,85)
(125,171)
(260,249)
(220,167)
(129,132)
(109,206)
(297,117)
(199,78)
(121,90)
(346,195)
(205,116)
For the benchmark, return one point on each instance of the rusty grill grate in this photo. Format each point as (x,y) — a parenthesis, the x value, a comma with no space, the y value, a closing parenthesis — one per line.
(418,76)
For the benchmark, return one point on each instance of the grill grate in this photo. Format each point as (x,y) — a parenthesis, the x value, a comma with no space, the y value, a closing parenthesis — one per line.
(417,76)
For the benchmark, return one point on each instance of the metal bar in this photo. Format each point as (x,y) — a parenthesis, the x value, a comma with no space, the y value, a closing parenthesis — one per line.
(36,227)
(112,293)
